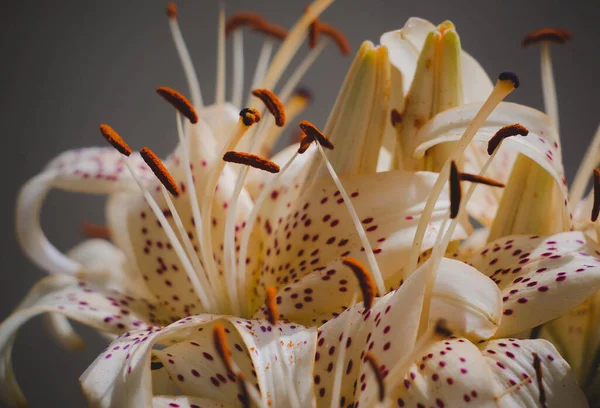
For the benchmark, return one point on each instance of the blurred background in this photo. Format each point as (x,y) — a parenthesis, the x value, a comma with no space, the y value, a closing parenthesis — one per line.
(70,65)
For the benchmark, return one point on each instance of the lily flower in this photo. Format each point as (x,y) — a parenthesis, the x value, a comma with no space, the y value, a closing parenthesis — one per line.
(177,227)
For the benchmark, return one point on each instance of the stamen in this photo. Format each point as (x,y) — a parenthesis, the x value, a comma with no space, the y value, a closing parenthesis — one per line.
(503,133)
(271,304)
(262,65)
(251,160)
(312,132)
(250,116)
(272,30)
(184,56)
(305,143)
(115,140)
(244,18)
(313,34)
(365,281)
(336,35)
(555,35)
(396,117)
(537,366)
(476,178)
(374,364)
(507,82)
(160,171)
(179,102)
(455,190)
(590,160)
(91,230)
(272,103)
(596,207)
(237,89)
(220,342)
(356,221)
(220,83)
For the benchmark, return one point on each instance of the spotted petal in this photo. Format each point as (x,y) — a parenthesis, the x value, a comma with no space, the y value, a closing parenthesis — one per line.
(511,363)
(92,170)
(541,145)
(540,277)
(462,296)
(106,311)
(318,228)
(177,401)
(120,377)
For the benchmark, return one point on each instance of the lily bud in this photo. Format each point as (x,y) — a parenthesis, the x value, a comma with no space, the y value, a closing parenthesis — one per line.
(436,87)
(358,119)
(532,203)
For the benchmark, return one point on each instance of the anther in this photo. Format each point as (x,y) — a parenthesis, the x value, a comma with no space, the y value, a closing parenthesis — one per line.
(476,178)
(250,116)
(537,366)
(272,103)
(303,93)
(305,142)
(374,364)
(336,35)
(115,140)
(172,10)
(313,34)
(91,230)
(441,328)
(509,76)
(252,160)
(396,117)
(245,18)
(596,207)
(179,102)
(315,134)
(365,281)
(272,30)
(160,171)
(555,35)
(271,304)
(503,133)
(220,341)
(455,190)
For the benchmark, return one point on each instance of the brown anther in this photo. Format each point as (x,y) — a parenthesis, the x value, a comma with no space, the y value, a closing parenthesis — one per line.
(115,140)
(244,397)
(476,178)
(179,102)
(396,117)
(305,142)
(537,366)
(245,18)
(271,304)
(272,103)
(441,328)
(555,35)
(250,116)
(315,134)
(220,342)
(503,133)
(160,171)
(304,93)
(252,160)
(91,230)
(365,281)
(509,76)
(171,10)
(271,30)
(596,207)
(336,35)
(313,34)
(455,190)
(374,364)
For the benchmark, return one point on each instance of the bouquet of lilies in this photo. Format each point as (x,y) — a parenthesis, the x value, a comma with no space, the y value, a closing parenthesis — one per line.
(421,250)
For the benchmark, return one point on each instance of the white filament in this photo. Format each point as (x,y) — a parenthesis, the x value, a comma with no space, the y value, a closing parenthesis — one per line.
(590,161)
(186,62)
(189,269)
(548,84)
(238,69)
(299,72)
(220,91)
(262,65)
(357,224)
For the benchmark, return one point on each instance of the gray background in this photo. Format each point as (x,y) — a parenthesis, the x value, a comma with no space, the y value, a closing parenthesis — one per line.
(70,65)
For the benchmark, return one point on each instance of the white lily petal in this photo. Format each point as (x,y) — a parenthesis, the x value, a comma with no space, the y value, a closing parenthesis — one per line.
(541,145)
(104,310)
(175,401)
(221,119)
(540,277)
(318,229)
(91,170)
(120,377)
(511,363)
